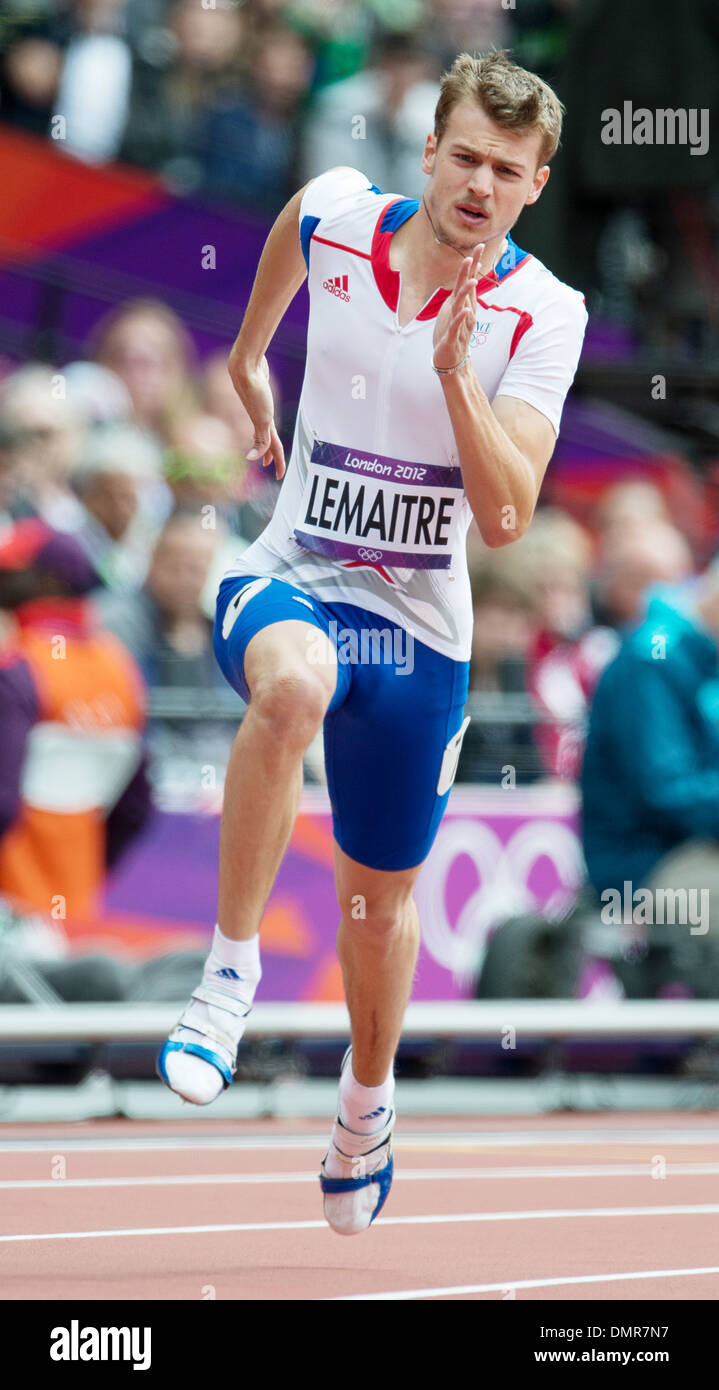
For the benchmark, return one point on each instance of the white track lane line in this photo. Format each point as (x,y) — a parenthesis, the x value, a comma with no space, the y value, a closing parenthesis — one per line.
(607,1170)
(513,1285)
(426,1141)
(705,1209)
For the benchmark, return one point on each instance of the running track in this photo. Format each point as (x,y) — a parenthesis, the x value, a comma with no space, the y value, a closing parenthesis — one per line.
(565,1207)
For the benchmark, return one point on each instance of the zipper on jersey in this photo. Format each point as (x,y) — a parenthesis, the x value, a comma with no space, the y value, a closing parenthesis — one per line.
(387,370)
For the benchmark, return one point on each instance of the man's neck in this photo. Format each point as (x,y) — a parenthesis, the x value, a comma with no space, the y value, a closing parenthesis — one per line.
(435,263)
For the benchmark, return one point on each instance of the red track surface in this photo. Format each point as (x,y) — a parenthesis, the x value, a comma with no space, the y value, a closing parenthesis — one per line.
(480,1209)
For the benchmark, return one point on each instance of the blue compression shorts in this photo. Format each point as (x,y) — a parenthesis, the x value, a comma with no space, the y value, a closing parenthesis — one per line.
(393,729)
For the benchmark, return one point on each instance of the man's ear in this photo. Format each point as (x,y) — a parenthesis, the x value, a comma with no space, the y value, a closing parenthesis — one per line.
(540,179)
(430,149)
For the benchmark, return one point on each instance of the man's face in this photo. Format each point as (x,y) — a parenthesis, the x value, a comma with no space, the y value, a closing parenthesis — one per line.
(480,165)
(113,500)
(179,568)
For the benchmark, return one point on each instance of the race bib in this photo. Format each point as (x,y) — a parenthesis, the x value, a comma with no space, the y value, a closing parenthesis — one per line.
(358,506)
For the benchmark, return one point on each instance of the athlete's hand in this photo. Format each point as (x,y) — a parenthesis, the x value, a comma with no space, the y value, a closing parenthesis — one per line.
(457,317)
(253,388)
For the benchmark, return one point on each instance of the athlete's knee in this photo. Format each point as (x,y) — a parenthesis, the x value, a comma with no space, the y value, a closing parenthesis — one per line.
(291,706)
(379,922)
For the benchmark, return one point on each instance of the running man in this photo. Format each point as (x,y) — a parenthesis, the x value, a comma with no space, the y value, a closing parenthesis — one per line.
(439,356)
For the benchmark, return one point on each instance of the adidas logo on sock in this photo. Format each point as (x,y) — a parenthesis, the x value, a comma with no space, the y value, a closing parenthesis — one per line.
(374,1114)
(228,974)
(337,285)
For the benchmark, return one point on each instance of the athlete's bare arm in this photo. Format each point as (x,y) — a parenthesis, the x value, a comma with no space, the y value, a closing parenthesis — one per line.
(504,448)
(280,272)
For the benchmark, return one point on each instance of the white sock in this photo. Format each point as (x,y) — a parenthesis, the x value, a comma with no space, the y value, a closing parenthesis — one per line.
(232,964)
(363,1110)
(233,967)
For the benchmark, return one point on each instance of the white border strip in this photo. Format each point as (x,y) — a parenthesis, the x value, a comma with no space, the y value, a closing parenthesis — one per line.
(456,1018)
(437,1140)
(510,1286)
(704,1209)
(608,1170)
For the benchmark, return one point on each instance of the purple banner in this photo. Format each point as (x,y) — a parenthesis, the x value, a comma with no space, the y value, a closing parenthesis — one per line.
(369,555)
(497,852)
(379,466)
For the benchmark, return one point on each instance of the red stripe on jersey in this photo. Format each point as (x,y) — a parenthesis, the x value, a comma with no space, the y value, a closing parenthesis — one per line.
(525,321)
(386,278)
(368,565)
(341,247)
(432,309)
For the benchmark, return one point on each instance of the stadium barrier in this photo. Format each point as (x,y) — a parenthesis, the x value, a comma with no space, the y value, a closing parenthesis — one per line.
(551,1018)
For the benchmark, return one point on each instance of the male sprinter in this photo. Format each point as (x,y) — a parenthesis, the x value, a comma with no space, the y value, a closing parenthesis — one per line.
(439,355)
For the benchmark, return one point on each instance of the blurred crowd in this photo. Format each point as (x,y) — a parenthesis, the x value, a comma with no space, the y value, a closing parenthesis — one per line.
(137,457)
(125,488)
(241,101)
(125,494)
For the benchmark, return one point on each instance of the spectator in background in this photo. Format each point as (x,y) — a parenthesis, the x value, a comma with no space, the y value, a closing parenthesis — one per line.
(378,120)
(568,651)
(8,475)
(633,557)
(650,779)
(117,540)
(30,76)
(96,393)
(149,348)
(203,467)
(256,487)
(196,56)
(339,33)
(638,221)
(206,475)
(94,88)
(501,636)
(465,26)
(73,779)
(251,134)
(164,624)
(73,61)
(637,501)
(540,35)
(44,436)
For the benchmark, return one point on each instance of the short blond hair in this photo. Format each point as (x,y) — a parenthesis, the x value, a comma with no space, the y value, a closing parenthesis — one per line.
(511,96)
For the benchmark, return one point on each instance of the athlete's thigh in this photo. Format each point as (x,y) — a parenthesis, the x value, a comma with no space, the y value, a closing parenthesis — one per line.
(265,629)
(391,750)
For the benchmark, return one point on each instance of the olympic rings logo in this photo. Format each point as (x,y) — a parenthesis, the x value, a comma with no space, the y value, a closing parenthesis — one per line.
(370,554)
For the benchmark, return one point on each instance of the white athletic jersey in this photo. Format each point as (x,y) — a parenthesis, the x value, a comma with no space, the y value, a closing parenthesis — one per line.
(372,510)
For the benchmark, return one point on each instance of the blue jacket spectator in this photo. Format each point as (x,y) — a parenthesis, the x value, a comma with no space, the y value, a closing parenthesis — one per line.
(650,778)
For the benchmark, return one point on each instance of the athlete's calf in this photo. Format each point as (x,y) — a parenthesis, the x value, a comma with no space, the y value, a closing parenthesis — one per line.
(377,945)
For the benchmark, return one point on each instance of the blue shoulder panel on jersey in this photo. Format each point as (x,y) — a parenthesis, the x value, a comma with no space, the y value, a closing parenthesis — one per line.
(397,213)
(307,228)
(512,257)
(308,225)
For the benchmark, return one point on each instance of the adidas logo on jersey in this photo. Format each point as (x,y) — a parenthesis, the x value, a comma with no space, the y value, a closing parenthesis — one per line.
(337,285)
